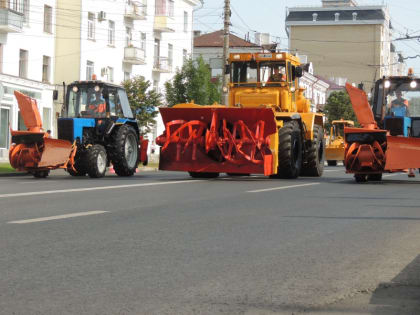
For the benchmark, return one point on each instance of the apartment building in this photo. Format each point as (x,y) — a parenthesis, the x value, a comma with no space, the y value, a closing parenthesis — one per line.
(26,62)
(343,39)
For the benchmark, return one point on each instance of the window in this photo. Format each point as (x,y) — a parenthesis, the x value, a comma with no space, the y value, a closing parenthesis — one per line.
(23,63)
(128,36)
(21,123)
(314,16)
(184,55)
(90,68)
(26,11)
(91,25)
(47,19)
(111,33)
(4,128)
(185,21)
(46,118)
(354,16)
(110,74)
(46,65)
(171,8)
(336,16)
(115,107)
(170,55)
(143,42)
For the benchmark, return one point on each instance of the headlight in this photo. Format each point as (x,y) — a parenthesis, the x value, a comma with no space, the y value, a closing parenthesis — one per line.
(387,84)
(413,84)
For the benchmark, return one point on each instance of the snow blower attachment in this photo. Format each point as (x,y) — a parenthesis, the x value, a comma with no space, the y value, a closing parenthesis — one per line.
(267,127)
(389,140)
(33,150)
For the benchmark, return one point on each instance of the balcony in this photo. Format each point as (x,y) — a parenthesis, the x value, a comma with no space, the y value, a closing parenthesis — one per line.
(135,10)
(10,21)
(134,55)
(162,64)
(164,23)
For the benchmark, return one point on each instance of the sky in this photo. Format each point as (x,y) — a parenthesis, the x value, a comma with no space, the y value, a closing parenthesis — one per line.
(268,16)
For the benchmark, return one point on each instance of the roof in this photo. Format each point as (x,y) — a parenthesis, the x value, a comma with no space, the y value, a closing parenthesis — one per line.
(215,39)
(329,15)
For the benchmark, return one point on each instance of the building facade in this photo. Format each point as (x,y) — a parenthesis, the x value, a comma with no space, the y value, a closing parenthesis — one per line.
(27,31)
(343,39)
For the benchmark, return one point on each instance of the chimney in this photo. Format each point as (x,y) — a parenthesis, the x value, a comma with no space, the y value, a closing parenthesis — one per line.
(197,33)
(339,3)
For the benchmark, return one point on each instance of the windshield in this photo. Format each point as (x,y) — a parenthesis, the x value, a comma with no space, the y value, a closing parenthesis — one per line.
(250,73)
(86,101)
(402,98)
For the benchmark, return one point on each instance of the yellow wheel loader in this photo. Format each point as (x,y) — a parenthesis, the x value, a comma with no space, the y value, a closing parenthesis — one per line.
(335,146)
(266,128)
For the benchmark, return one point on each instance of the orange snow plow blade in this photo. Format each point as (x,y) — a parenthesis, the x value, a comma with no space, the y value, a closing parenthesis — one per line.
(402,153)
(361,107)
(217,139)
(33,149)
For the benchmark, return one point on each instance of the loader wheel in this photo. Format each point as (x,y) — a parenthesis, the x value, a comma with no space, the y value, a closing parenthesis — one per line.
(203,175)
(360,178)
(332,163)
(41,174)
(96,161)
(375,177)
(290,151)
(314,161)
(124,150)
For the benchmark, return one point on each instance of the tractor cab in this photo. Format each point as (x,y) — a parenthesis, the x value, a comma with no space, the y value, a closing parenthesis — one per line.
(396,105)
(96,99)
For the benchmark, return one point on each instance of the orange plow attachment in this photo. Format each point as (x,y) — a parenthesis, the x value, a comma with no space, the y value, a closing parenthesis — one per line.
(34,150)
(217,139)
(402,153)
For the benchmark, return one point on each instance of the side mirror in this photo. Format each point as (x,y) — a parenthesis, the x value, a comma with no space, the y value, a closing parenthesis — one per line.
(227,69)
(55,95)
(299,72)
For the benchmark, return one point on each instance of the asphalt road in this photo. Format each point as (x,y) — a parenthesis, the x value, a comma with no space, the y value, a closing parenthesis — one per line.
(162,243)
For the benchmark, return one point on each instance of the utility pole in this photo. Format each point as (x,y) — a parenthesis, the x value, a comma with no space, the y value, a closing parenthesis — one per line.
(225,52)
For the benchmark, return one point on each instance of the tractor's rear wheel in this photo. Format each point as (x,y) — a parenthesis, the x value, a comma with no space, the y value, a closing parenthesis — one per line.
(290,150)
(314,161)
(125,150)
(203,175)
(96,161)
(41,174)
(332,163)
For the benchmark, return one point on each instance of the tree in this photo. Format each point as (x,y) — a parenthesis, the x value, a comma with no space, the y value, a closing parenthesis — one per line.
(192,83)
(339,106)
(143,102)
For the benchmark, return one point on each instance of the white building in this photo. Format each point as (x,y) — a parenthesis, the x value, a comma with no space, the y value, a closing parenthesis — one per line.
(27,31)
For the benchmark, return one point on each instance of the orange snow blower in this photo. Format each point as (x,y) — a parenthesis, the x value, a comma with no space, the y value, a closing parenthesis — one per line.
(389,140)
(266,128)
(33,150)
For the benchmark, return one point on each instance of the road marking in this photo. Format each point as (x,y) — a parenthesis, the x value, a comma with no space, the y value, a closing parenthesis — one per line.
(43,182)
(282,187)
(58,217)
(47,192)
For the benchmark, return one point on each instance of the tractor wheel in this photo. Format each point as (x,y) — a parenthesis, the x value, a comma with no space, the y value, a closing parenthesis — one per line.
(96,161)
(332,163)
(124,150)
(203,175)
(237,174)
(375,177)
(360,178)
(290,151)
(314,161)
(78,165)
(41,174)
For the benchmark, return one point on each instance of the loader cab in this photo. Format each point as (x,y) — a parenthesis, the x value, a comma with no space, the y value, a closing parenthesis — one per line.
(96,99)
(396,103)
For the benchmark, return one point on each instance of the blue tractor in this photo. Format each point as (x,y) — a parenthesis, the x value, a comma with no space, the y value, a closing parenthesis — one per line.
(98,119)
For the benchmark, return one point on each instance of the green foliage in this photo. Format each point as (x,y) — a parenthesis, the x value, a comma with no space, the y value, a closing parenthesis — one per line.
(339,106)
(192,83)
(143,102)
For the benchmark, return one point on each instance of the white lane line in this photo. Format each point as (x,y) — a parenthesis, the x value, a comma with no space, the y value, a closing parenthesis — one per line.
(282,187)
(47,192)
(38,182)
(58,217)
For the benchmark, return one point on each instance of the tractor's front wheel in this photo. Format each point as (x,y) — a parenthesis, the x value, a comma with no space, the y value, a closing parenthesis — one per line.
(290,150)
(314,161)
(41,174)
(96,160)
(80,168)
(125,150)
